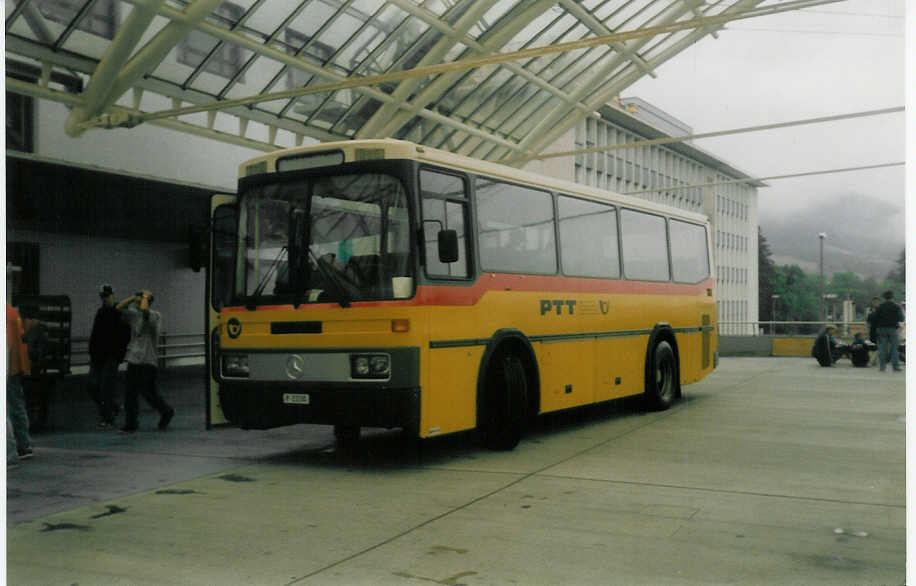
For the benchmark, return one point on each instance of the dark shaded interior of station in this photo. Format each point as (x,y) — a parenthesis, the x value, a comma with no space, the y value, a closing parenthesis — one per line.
(48,197)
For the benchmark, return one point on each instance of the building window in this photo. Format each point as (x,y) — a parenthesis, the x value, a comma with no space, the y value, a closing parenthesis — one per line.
(318,53)
(102,19)
(20,123)
(226,59)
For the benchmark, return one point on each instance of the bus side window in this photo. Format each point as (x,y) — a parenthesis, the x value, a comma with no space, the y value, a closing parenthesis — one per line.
(689,254)
(444,208)
(645,246)
(516,228)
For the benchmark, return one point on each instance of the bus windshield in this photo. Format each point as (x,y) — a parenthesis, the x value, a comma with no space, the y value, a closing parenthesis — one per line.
(323,239)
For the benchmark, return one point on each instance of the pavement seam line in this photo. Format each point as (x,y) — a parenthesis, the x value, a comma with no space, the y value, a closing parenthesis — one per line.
(523,477)
(721,491)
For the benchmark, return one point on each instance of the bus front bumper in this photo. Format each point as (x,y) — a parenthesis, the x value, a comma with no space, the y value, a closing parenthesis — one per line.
(263,406)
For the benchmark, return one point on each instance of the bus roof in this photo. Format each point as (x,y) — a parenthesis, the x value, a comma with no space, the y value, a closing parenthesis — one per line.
(374,149)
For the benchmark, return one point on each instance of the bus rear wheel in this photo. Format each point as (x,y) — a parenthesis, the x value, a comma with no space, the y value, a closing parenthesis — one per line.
(662,378)
(505,404)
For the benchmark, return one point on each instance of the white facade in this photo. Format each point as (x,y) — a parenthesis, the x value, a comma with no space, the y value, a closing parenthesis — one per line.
(733,211)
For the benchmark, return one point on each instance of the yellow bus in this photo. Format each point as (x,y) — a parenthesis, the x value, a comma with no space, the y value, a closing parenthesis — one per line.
(379,283)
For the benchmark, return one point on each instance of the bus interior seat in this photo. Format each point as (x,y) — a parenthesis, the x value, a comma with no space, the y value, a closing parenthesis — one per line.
(365,267)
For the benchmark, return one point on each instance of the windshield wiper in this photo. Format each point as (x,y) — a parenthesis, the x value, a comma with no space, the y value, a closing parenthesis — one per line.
(342,298)
(256,295)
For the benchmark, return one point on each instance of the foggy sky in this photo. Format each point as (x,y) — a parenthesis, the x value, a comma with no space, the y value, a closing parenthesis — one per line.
(833,59)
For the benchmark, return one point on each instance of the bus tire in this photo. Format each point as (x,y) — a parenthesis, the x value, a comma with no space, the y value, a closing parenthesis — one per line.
(662,378)
(505,402)
(346,436)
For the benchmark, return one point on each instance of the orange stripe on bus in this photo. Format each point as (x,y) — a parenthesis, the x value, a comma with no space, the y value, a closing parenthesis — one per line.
(458,295)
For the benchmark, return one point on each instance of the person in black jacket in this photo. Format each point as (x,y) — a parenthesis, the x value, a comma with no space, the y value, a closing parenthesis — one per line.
(872,330)
(887,319)
(826,349)
(858,350)
(107,345)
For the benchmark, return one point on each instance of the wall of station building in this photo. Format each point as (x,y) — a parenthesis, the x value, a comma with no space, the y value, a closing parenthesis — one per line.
(731,208)
(75,260)
(75,265)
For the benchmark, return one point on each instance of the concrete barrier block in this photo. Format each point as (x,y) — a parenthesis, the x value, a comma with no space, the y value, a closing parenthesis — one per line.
(792,346)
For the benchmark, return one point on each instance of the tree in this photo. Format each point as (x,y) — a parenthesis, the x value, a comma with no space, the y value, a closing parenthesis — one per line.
(898,275)
(849,285)
(798,296)
(767,276)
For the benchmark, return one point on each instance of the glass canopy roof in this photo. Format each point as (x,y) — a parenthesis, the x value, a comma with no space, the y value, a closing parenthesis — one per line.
(118,61)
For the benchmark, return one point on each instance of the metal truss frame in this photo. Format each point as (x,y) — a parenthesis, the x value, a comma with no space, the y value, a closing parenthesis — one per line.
(609,60)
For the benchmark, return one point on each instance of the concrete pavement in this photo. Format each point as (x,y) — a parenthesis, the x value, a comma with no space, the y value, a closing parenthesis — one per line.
(772,471)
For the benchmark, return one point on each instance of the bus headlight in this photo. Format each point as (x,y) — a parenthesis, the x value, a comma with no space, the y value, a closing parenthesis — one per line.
(235,365)
(371,366)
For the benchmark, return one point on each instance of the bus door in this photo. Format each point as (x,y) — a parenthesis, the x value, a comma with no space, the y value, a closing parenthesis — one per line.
(222,233)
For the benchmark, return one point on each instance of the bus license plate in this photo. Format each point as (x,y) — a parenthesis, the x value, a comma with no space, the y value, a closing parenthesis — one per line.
(296,398)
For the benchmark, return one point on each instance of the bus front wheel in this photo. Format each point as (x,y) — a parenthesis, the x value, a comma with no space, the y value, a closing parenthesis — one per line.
(662,381)
(346,436)
(505,403)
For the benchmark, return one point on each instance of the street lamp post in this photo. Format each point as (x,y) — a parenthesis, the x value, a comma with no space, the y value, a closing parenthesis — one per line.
(822,236)
(773,299)
(830,300)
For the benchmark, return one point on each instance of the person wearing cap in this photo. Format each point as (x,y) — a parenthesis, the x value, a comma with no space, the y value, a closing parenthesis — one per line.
(826,349)
(142,360)
(107,345)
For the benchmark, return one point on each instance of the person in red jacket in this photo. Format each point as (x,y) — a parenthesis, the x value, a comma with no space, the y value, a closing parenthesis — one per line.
(17,364)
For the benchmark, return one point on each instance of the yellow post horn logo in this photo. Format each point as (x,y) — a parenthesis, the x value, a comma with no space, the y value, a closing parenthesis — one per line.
(234,328)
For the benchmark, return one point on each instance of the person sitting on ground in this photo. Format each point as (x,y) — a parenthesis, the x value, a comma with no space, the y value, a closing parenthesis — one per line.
(826,349)
(858,350)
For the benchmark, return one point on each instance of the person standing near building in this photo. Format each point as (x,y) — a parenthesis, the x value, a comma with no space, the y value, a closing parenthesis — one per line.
(17,364)
(107,346)
(887,319)
(142,360)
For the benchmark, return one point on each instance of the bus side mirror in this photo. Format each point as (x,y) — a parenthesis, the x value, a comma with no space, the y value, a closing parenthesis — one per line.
(448,246)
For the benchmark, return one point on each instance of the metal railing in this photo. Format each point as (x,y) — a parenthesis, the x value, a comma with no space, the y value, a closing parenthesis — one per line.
(171,347)
(789,328)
